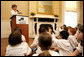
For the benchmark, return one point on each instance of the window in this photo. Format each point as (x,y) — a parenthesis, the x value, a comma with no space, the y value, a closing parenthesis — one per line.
(70,14)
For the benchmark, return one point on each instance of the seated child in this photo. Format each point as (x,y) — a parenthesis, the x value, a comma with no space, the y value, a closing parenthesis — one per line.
(72,38)
(79,49)
(35,42)
(62,44)
(45,42)
(16,46)
(34,46)
(18,30)
(42,29)
(77,27)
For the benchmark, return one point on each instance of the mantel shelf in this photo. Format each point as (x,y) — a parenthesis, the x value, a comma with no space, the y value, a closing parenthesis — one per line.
(43,16)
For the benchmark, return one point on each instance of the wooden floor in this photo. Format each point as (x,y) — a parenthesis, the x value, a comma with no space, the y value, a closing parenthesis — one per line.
(4,43)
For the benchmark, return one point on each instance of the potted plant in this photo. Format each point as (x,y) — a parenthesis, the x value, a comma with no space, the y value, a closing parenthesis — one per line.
(32,13)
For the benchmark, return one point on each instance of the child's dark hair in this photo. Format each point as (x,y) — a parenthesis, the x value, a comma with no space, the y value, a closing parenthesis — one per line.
(14,39)
(42,30)
(64,25)
(50,26)
(81,28)
(45,41)
(64,34)
(18,29)
(78,26)
(14,5)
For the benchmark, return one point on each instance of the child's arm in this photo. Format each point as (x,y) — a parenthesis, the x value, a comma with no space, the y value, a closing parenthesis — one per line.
(35,42)
(75,53)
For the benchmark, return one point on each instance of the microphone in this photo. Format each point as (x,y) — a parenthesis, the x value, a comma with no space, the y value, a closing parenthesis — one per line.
(17,10)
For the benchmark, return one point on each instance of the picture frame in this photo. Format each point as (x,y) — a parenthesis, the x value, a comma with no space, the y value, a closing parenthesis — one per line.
(44,7)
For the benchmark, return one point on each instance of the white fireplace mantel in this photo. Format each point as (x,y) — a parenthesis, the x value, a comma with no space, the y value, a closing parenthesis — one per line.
(37,16)
(43,16)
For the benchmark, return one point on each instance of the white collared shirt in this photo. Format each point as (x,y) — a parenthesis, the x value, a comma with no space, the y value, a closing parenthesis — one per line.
(18,50)
(73,41)
(64,47)
(52,53)
(13,12)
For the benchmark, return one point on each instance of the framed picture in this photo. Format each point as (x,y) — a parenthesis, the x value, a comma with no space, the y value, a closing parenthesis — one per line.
(44,7)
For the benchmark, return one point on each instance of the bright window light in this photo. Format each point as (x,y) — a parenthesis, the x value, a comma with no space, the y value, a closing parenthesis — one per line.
(70,19)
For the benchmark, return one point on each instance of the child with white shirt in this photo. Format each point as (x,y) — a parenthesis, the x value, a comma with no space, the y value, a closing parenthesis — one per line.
(79,48)
(35,42)
(34,46)
(72,37)
(62,45)
(16,46)
(42,29)
(14,10)
(45,42)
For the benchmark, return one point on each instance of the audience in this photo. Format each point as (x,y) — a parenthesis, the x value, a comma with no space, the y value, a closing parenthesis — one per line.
(68,43)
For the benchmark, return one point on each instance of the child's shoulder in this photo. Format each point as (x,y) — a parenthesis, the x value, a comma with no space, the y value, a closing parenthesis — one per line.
(12,10)
(24,43)
(62,40)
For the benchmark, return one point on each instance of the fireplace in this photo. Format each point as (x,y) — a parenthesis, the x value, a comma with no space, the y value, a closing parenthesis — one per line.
(38,20)
(44,21)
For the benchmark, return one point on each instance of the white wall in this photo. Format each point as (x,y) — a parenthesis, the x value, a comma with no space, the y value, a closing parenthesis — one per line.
(5,29)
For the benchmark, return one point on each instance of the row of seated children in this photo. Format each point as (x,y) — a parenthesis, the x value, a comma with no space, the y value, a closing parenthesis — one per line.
(46,44)
(64,49)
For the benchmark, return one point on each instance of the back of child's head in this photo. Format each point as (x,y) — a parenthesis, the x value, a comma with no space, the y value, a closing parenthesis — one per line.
(64,34)
(81,31)
(50,26)
(45,41)
(14,39)
(42,30)
(81,28)
(78,26)
(73,31)
(18,30)
(64,25)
